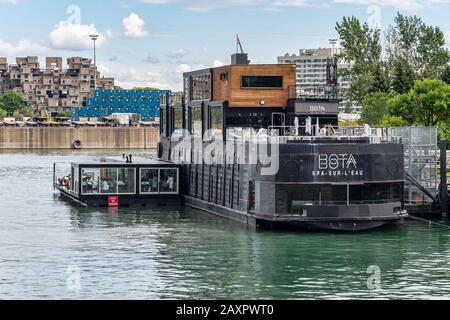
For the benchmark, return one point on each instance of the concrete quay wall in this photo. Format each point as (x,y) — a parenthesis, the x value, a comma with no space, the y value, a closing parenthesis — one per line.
(83,138)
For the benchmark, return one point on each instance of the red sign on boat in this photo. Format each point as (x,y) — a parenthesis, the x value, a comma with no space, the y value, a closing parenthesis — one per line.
(113,201)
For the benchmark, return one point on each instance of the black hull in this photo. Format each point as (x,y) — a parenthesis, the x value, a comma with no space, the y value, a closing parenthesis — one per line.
(124,200)
(293,222)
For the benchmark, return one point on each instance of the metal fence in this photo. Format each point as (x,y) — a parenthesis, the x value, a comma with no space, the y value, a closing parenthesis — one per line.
(421,160)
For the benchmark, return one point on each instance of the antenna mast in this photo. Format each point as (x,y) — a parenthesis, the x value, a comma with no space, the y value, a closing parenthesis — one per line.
(239,45)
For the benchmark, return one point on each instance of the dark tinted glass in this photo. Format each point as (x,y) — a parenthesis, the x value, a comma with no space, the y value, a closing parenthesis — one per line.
(262,81)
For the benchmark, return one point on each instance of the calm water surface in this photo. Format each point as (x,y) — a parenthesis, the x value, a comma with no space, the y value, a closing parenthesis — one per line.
(162,253)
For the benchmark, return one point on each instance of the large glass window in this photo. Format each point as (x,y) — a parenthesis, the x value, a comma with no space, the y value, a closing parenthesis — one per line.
(196,121)
(90,181)
(216,120)
(201,87)
(108,180)
(177,119)
(126,180)
(375,193)
(159,180)
(168,181)
(149,180)
(162,121)
(75,180)
(288,197)
(262,82)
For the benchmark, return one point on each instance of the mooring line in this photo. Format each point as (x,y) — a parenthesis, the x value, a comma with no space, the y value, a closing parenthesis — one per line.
(429,221)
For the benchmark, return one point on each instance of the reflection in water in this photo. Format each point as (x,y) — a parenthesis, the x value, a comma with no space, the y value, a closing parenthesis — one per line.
(176,252)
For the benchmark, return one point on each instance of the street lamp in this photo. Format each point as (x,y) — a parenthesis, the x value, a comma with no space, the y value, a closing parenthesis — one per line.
(94,38)
(333,42)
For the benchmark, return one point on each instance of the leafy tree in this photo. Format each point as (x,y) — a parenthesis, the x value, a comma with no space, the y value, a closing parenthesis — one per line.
(444,131)
(403,76)
(393,121)
(11,102)
(420,45)
(400,106)
(65,114)
(428,103)
(446,75)
(380,81)
(3,113)
(361,45)
(25,112)
(375,108)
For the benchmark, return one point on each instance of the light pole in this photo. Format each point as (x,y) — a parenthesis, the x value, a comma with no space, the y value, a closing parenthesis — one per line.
(94,38)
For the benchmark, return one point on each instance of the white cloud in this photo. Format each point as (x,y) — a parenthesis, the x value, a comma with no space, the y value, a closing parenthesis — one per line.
(151,59)
(70,36)
(24,46)
(13,2)
(177,53)
(134,26)
(103,69)
(217,63)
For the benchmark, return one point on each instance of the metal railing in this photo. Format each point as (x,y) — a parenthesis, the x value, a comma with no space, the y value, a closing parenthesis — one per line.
(292,133)
(321,92)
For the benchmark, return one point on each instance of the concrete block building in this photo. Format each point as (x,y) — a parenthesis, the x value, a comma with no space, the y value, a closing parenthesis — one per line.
(54,88)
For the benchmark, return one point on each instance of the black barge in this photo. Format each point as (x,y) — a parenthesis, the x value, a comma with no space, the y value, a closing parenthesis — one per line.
(247,144)
(122,182)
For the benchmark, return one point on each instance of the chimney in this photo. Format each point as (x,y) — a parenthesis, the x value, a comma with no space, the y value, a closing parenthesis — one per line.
(240,59)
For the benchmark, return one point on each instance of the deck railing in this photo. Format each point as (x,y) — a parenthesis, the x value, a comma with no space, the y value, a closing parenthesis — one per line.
(321,92)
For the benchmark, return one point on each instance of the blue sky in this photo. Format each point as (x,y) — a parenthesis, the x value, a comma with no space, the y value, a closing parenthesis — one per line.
(152,42)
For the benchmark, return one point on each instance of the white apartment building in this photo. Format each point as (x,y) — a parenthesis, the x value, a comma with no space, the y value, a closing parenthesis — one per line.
(312,70)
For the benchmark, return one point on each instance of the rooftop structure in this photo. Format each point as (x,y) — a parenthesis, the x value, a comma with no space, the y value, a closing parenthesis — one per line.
(104,103)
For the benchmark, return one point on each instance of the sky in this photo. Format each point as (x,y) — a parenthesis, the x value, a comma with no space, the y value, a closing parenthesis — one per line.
(152,42)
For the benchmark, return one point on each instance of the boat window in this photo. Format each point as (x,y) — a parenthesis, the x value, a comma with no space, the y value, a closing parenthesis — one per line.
(201,87)
(75,180)
(262,82)
(108,180)
(375,193)
(162,121)
(196,121)
(177,120)
(287,197)
(216,120)
(149,180)
(90,181)
(333,194)
(168,181)
(126,181)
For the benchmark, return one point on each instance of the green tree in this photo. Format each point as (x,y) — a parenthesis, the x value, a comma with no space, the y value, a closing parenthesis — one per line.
(403,76)
(393,121)
(11,102)
(446,75)
(399,105)
(361,45)
(374,108)
(428,103)
(444,131)
(380,81)
(422,46)
(3,113)
(25,111)
(65,114)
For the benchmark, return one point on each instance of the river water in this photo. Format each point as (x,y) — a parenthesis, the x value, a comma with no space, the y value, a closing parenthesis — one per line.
(51,249)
